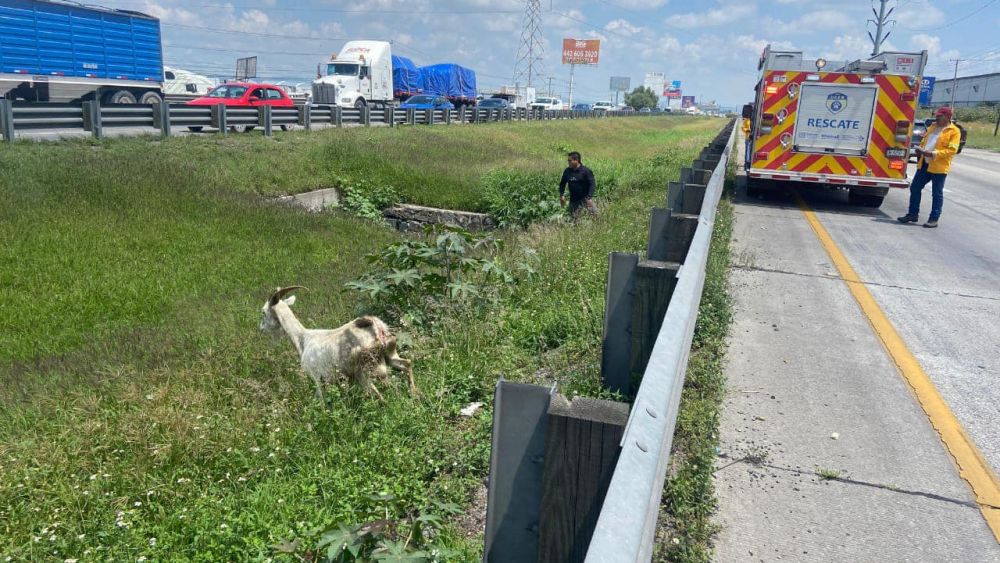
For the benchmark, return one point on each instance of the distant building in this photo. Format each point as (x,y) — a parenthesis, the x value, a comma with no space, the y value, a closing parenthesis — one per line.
(969,90)
(655,81)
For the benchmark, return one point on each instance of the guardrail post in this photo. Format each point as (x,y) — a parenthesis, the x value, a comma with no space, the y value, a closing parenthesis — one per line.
(219,118)
(389,116)
(92,118)
(305,116)
(617,342)
(337,114)
(429,116)
(264,119)
(411,116)
(692,196)
(7,120)
(447,116)
(366,115)
(461,113)
(654,285)
(475,115)
(582,440)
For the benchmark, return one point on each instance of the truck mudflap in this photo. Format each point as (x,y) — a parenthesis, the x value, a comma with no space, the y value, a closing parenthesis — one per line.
(832,179)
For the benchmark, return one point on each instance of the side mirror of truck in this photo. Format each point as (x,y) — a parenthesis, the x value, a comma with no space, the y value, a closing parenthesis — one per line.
(254,99)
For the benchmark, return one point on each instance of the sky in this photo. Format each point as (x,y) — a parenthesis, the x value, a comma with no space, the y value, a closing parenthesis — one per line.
(711,46)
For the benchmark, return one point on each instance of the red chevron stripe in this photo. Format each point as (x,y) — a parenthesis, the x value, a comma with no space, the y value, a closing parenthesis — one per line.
(895,97)
(807,162)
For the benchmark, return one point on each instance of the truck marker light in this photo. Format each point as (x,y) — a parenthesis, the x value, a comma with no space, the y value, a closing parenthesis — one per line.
(908,96)
(760,156)
(897,164)
(812,77)
(902,131)
(868,80)
(772,89)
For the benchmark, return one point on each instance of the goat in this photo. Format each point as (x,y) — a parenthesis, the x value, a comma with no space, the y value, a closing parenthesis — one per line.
(361,347)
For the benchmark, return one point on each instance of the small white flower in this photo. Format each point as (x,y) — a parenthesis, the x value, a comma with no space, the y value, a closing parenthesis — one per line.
(255,449)
(69,560)
(149,397)
(223,527)
(199,417)
(270,454)
(141,558)
(137,504)
(94,476)
(675,541)
(183,480)
(152,541)
(81,536)
(52,537)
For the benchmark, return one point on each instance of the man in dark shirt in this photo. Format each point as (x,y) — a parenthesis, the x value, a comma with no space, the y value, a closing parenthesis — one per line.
(581,183)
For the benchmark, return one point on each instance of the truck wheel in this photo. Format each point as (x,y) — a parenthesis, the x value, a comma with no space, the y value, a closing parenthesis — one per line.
(359,104)
(121,97)
(150,99)
(195,128)
(241,128)
(288,127)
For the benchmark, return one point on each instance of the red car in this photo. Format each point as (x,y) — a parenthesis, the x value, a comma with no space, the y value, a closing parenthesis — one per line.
(243,95)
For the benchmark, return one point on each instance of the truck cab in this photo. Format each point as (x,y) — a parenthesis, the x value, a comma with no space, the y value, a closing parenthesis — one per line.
(359,75)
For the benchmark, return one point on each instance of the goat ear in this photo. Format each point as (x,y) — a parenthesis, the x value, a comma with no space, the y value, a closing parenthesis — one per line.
(289,300)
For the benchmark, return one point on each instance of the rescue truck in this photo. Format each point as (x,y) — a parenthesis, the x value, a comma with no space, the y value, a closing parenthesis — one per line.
(847,127)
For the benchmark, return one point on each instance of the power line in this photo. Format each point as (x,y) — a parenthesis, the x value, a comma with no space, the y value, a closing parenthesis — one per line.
(959,20)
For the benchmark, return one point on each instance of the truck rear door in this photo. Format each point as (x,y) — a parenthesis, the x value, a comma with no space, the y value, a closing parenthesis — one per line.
(835,118)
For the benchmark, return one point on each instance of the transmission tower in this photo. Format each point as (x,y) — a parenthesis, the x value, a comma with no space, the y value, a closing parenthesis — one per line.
(881,22)
(530,52)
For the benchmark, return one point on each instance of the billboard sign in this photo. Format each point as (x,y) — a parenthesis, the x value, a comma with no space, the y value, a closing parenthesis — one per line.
(246,68)
(676,84)
(926,90)
(671,92)
(687,102)
(581,51)
(620,83)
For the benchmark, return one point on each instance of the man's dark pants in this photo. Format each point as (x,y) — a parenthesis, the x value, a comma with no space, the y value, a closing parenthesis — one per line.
(576,206)
(920,180)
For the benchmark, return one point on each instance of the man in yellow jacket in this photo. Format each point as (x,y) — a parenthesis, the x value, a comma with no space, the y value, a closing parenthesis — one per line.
(748,142)
(934,154)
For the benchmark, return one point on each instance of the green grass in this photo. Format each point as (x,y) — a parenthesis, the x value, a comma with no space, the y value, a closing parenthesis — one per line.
(143,415)
(686,528)
(981,136)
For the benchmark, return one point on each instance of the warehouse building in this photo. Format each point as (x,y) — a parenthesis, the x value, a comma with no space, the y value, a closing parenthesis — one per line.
(970,91)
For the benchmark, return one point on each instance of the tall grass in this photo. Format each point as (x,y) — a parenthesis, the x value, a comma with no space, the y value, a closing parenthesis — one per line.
(143,415)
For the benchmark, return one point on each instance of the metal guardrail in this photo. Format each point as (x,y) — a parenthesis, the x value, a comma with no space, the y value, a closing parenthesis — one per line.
(167,118)
(626,526)
(571,481)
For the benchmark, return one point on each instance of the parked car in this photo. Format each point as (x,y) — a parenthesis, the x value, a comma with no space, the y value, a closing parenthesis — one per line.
(494,103)
(545,102)
(604,106)
(581,107)
(645,110)
(424,101)
(244,95)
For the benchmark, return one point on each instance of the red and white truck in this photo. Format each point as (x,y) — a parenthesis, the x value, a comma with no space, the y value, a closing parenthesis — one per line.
(848,127)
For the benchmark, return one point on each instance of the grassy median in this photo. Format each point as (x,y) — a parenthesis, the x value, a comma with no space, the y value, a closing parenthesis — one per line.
(143,415)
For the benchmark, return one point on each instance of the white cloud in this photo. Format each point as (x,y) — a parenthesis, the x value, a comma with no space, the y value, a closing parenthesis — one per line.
(811,23)
(710,18)
(919,16)
(622,27)
(848,47)
(932,44)
(639,4)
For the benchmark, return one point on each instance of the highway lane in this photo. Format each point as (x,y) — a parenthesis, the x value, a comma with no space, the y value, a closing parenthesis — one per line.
(813,391)
(940,287)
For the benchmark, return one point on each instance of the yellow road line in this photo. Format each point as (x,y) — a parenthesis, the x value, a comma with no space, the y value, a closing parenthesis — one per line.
(972,466)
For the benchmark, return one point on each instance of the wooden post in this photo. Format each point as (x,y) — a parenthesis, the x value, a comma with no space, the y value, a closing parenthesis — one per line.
(7,120)
(617,341)
(581,449)
(92,118)
(219,117)
(264,120)
(305,116)
(654,285)
(692,197)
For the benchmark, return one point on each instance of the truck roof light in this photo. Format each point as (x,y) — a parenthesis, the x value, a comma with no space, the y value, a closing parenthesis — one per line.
(868,80)
(812,77)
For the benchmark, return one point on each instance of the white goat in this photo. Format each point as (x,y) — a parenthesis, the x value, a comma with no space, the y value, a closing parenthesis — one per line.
(361,347)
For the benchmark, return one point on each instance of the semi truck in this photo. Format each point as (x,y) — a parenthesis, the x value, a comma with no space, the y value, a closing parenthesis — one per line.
(66,52)
(366,73)
(846,127)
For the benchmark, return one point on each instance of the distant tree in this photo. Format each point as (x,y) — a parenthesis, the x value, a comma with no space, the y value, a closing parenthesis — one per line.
(642,97)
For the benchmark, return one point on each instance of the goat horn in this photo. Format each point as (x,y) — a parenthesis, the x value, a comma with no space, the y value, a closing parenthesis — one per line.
(281,292)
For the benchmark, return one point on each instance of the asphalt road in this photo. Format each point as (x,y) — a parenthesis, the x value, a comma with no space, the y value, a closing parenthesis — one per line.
(813,391)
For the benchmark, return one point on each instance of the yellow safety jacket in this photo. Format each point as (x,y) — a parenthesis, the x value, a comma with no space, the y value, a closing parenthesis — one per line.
(746,127)
(945,148)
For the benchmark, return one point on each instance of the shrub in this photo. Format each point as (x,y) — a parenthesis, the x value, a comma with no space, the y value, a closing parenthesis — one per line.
(366,199)
(521,198)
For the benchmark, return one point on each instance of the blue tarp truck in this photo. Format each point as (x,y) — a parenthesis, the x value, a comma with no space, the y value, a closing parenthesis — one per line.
(64,52)
(406,78)
(455,82)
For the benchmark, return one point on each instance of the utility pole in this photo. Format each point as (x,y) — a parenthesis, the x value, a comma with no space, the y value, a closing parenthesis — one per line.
(550,86)
(954,82)
(880,25)
(572,68)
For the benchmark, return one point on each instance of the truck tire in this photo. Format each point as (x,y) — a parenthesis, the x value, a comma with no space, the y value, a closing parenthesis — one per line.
(241,128)
(359,104)
(195,128)
(150,99)
(120,97)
